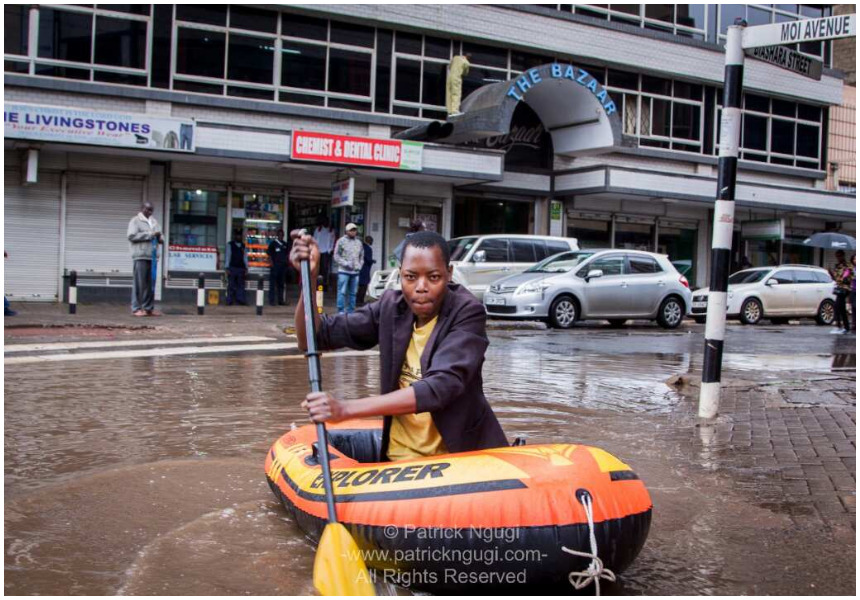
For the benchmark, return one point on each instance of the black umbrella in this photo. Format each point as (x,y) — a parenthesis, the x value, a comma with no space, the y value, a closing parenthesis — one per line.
(832,241)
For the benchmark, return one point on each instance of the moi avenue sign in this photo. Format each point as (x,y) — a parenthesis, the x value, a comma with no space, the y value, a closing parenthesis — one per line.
(805,30)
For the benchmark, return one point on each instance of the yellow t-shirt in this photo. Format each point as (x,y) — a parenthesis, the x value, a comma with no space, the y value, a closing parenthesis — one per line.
(414,435)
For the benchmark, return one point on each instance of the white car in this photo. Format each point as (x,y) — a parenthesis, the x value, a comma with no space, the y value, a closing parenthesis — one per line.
(479,260)
(775,293)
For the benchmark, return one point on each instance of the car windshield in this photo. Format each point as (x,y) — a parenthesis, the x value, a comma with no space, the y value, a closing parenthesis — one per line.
(748,276)
(460,247)
(560,263)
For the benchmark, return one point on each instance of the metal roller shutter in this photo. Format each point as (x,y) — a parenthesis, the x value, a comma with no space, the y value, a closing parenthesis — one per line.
(32,230)
(98,209)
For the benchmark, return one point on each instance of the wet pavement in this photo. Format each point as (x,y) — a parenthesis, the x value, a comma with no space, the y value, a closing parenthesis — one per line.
(143,474)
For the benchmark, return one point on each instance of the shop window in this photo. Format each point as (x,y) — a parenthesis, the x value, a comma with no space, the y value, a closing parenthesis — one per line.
(120,42)
(590,234)
(634,236)
(16,27)
(198,217)
(300,26)
(65,35)
(251,59)
(200,52)
(253,19)
(303,66)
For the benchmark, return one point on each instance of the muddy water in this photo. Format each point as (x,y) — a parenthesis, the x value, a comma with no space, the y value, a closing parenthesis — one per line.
(144,476)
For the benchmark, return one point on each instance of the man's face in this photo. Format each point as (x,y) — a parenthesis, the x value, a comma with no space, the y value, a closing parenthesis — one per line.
(840,256)
(424,278)
(147,210)
(281,234)
(352,233)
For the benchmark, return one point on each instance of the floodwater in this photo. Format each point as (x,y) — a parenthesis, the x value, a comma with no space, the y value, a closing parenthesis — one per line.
(145,475)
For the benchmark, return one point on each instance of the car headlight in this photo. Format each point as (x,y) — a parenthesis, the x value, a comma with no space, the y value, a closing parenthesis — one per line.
(532,287)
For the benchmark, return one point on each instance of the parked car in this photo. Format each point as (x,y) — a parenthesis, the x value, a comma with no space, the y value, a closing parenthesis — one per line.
(615,285)
(775,293)
(481,259)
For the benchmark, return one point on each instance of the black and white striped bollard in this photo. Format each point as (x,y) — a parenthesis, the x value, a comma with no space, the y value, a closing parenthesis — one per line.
(73,292)
(201,293)
(260,297)
(724,217)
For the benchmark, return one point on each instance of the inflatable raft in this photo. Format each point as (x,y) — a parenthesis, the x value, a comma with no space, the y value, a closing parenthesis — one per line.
(484,520)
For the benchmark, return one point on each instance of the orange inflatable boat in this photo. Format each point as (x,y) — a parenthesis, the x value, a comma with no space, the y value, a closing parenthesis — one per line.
(485,520)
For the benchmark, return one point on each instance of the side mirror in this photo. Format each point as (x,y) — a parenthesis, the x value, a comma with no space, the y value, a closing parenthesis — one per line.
(479,256)
(594,273)
(772,281)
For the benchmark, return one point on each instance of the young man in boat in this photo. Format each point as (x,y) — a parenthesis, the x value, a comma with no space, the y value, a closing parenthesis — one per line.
(432,339)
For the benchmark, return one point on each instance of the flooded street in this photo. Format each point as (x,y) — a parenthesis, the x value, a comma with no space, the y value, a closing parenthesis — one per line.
(145,475)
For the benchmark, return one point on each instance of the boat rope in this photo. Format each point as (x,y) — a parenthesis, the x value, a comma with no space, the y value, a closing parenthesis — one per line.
(595,570)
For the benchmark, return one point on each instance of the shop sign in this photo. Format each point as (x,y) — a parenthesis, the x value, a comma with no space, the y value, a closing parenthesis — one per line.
(555,209)
(528,80)
(357,151)
(192,258)
(53,124)
(763,230)
(343,193)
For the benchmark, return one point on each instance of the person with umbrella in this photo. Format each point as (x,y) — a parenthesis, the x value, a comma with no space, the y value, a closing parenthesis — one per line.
(843,275)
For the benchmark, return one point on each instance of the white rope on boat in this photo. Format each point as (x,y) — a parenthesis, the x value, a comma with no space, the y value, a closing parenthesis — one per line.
(595,570)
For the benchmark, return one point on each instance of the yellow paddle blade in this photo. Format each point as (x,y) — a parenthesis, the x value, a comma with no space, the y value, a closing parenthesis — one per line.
(339,568)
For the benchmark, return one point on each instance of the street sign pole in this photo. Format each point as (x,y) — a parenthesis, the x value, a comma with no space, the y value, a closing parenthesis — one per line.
(724,218)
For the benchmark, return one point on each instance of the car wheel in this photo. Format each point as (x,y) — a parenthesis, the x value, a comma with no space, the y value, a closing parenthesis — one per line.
(671,313)
(779,320)
(616,323)
(562,313)
(751,311)
(699,320)
(826,313)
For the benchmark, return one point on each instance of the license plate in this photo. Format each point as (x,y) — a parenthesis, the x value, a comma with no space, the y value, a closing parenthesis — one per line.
(496,301)
(700,305)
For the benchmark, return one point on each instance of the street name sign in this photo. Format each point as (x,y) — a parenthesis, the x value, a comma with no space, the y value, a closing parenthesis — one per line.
(788,59)
(805,30)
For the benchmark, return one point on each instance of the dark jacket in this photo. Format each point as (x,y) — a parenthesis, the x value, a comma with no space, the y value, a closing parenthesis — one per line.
(277,252)
(364,275)
(452,387)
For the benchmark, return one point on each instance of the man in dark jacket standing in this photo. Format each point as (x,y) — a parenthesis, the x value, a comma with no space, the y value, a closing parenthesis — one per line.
(237,269)
(278,255)
(364,275)
(432,339)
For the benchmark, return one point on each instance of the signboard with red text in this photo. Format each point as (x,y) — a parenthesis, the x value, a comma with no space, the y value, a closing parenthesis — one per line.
(356,151)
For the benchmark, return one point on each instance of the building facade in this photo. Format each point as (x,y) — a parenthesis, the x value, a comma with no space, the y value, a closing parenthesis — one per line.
(199,109)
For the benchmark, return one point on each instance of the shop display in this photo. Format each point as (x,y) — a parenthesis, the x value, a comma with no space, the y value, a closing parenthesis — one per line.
(260,217)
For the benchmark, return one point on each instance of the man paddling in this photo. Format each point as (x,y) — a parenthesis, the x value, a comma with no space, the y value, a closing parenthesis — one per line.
(432,339)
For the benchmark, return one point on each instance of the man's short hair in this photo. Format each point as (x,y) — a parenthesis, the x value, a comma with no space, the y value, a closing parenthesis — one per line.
(428,239)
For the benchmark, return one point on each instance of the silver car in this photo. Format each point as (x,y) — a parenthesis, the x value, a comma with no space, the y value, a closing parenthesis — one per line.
(615,285)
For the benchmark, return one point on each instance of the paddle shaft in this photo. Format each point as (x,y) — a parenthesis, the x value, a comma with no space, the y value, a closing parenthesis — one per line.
(316,384)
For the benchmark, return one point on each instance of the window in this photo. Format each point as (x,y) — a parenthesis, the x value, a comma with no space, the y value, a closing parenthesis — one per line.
(523,251)
(642,265)
(804,276)
(783,277)
(420,73)
(780,132)
(822,277)
(554,247)
(200,52)
(496,250)
(16,28)
(687,20)
(610,265)
(105,43)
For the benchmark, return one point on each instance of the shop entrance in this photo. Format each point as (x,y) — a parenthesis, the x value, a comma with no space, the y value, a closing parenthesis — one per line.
(401,216)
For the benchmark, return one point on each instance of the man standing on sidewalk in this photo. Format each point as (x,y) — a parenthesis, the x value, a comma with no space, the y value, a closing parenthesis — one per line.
(324,237)
(142,229)
(237,268)
(364,276)
(349,256)
(278,254)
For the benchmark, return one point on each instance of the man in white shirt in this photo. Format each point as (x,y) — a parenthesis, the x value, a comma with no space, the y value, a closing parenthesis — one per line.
(142,230)
(325,238)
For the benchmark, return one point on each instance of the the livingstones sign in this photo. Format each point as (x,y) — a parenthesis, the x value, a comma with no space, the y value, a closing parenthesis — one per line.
(357,151)
(788,59)
(804,30)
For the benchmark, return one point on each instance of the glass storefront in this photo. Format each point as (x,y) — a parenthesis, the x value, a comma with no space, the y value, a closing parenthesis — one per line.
(634,236)
(198,220)
(795,253)
(590,234)
(476,216)
(258,217)
(679,243)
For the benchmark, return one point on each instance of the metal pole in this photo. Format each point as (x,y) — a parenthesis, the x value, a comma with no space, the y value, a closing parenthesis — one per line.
(73,292)
(724,216)
(201,293)
(260,295)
